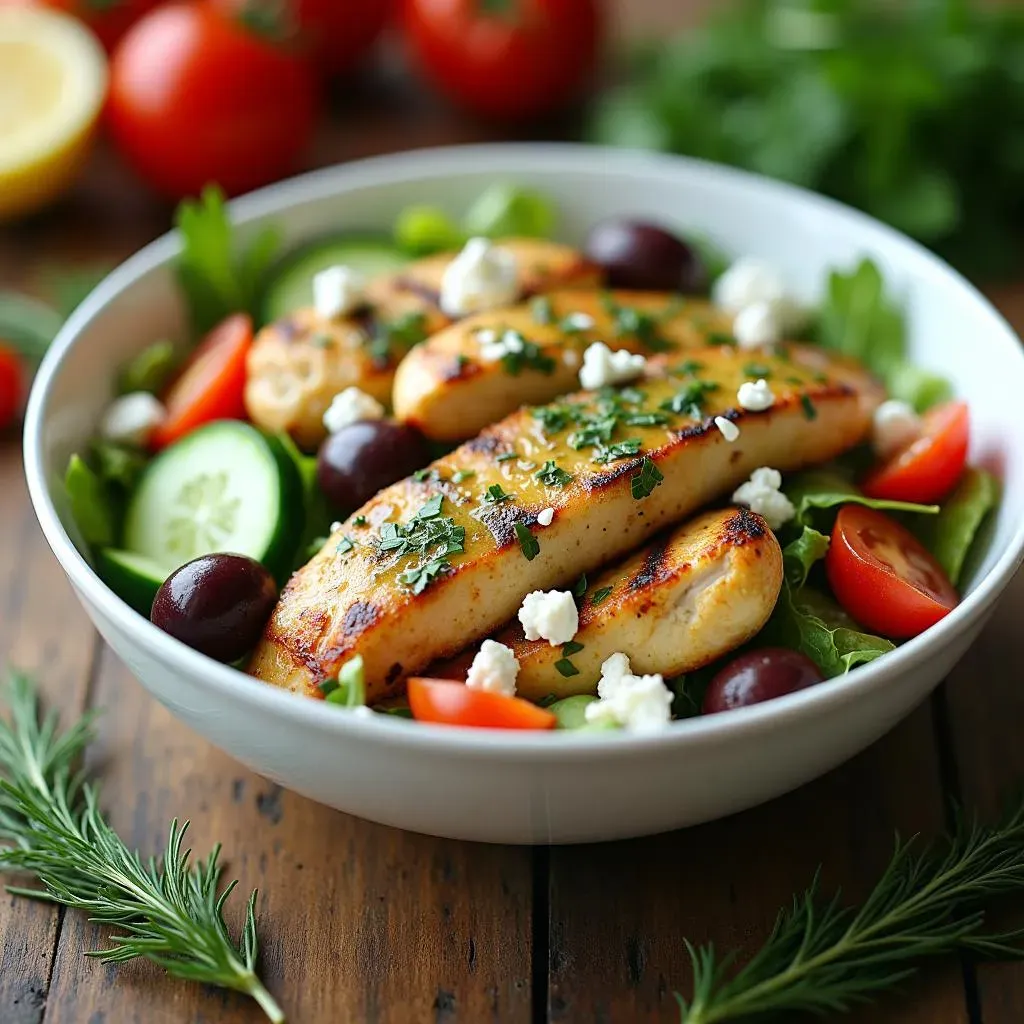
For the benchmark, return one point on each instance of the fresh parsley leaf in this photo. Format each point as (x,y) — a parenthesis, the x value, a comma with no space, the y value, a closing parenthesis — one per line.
(345,545)
(571,648)
(420,577)
(619,450)
(810,412)
(461,475)
(566,668)
(690,399)
(629,321)
(600,595)
(217,276)
(359,521)
(720,339)
(526,355)
(496,494)
(529,544)
(580,586)
(506,457)
(552,475)
(643,482)
(760,371)
(427,533)
(688,368)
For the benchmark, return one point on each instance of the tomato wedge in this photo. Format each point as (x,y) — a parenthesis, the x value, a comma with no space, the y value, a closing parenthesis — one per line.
(928,468)
(884,577)
(212,384)
(449,703)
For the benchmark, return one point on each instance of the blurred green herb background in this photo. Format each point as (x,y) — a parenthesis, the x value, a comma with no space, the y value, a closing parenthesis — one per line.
(912,111)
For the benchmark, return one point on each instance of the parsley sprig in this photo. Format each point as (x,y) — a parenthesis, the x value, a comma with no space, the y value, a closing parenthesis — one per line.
(428,534)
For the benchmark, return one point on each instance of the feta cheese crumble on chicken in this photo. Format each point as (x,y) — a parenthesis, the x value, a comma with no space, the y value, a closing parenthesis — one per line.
(754,292)
(894,427)
(131,419)
(545,516)
(757,325)
(494,669)
(549,615)
(755,395)
(762,494)
(602,367)
(337,291)
(496,348)
(351,406)
(727,428)
(636,703)
(578,322)
(482,276)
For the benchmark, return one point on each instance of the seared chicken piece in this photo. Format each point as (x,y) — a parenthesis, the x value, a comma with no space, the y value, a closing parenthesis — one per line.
(454,384)
(446,557)
(299,363)
(680,602)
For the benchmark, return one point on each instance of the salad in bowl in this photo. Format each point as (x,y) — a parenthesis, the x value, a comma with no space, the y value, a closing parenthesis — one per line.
(468,473)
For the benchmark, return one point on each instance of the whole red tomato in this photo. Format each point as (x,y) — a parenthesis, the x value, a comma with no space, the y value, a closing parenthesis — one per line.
(509,59)
(336,34)
(109,19)
(197,97)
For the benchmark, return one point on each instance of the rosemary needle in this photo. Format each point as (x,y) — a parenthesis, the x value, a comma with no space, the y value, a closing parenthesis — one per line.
(51,827)
(822,957)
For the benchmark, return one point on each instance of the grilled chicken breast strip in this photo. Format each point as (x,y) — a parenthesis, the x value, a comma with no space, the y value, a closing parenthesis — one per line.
(446,557)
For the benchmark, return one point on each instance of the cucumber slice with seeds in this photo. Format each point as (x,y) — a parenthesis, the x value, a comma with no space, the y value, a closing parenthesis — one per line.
(224,487)
(290,285)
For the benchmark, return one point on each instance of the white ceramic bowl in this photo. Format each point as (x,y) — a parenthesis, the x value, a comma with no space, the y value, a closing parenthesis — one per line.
(540,788)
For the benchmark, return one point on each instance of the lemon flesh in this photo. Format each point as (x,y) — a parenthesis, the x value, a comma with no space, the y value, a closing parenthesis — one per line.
(53,79)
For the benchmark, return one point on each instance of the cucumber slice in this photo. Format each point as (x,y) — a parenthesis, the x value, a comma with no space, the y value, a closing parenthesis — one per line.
(134,578)
(224,487)
(290,284)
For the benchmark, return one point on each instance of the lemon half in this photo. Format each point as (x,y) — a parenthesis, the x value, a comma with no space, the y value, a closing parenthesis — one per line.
(53,79)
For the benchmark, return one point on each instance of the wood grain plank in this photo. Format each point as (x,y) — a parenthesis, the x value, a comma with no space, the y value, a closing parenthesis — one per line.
(985,702)
(43,630)
(619,912)
(360,922)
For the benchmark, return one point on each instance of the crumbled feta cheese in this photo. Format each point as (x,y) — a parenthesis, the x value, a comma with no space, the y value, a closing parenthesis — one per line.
(549,615)
(131,419)
(351,406)
(486,336)
(728,429)
(755,395)
(603,367)
(757,325)
(579,322)
(337,291)
(895,426)
(762,494)
(494,669)
(545,516)
(746,282)
(571,358)
(336,525)
(510,342)
(636,703)
(483,276)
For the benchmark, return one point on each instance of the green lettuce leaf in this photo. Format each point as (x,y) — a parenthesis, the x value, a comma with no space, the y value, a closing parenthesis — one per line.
(151,370)
(800,555)
(506,210)
(318,517)
(951,533)
(823,489)
(92,505)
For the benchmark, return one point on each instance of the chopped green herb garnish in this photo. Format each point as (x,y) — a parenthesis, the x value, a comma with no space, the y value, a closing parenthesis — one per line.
(461,362)
(496,494)
(522,354)
(398,335)
(428,532)
(580,587)
(432,508)
(630,321)
(419,578)
(596,433)
(461,475)
(527,542)
(345,545)
(619,450)
(643,482)
(645,419)
(688,368)
(576,323)
(600,595)
(760,370)
(820,378)
(423,474)
(506,457)
(554,418)
(720,338)
(809,411)
(795,380)
(540,309)
(690,399)
(552,475)
(566,667)
(571,648)
(359,521)
(548,699)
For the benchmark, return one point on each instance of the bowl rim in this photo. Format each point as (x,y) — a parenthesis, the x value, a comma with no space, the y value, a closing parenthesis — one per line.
(241,690)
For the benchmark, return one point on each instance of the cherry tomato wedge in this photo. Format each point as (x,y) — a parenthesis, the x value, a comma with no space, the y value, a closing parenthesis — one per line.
(449,703)
(884,577)
(928,468)
(12,383)
(212,384)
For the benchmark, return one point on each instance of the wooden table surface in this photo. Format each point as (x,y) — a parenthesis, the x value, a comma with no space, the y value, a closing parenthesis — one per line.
(366,923)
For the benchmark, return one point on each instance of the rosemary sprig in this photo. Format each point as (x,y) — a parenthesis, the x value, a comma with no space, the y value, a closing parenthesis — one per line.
(822,957)
(51,827)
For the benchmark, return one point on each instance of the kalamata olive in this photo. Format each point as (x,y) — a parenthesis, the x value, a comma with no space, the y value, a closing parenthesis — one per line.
(638,255)
(360,459)
(217,604)
(757,676)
